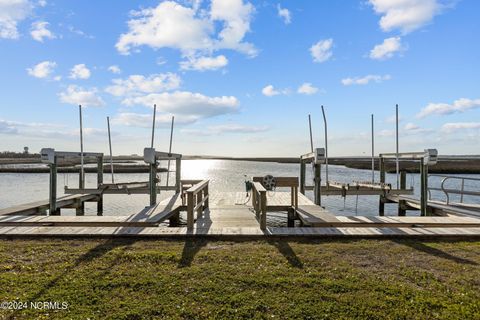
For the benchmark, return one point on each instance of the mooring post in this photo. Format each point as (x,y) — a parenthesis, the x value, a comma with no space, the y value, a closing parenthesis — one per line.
(178,174)
(153,183)
(54,211)
(190,214)
(99,185)
(381,204)
(423,187)
(318,184)
(263,217)
(291,217)
(403,186)
(302,176)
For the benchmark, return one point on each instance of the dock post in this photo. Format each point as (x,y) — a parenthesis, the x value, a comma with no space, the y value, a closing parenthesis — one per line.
(263,217)
(403,186)
(291,217)
(381,204)
(80,208)
(423,187)
(153,183)
(302,176)
(99,185)
(190,217)
(54,211)
(178,174)
(318,184)
(200,207)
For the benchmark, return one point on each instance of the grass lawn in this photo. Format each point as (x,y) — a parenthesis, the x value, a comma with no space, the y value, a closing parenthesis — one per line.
(199,279)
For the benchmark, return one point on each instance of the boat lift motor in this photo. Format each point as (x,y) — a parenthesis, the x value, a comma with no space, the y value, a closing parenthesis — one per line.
(431,157)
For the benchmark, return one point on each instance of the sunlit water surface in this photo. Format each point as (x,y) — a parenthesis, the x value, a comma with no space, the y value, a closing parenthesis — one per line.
(224,175)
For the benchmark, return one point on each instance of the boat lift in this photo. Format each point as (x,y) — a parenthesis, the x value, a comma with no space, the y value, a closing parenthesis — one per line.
(52,157)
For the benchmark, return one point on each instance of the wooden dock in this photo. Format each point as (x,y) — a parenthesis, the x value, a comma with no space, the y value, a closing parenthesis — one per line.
(229,214)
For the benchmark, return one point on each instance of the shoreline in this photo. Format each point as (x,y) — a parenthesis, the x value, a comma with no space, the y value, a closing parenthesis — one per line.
(445,165)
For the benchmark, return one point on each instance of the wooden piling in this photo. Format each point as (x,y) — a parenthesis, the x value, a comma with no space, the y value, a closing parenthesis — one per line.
(53,189)
(152,183)
(403,186)
(318,183)
(99,184)
(302,176)
(178,174)
(382,200)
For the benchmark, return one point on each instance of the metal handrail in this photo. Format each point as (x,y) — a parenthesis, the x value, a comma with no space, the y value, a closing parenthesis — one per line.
(447,191)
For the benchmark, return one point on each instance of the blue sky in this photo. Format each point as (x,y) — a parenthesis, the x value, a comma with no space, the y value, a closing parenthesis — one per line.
(241,77)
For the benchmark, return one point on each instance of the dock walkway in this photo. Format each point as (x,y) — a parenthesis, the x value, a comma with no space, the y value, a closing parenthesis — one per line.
(229,214)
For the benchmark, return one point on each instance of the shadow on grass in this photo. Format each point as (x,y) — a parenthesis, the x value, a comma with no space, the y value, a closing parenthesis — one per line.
(191,247)
(287,251)
(94,253)
(435,252)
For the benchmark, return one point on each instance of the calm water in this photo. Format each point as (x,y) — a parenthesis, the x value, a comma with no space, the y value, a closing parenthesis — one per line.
(224,175)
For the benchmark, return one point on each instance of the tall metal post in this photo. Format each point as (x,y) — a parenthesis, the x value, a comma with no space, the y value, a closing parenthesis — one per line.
(170,148)
(326,145)
(311,137)
(153,124)
(81,180)
(110,147)
(373,152)
(396,135)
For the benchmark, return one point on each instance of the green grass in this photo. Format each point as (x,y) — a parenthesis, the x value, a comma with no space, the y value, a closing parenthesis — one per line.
(126,279)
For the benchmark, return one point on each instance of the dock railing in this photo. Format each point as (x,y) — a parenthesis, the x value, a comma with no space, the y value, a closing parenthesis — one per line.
(448,191)
(197,200)
(259,203)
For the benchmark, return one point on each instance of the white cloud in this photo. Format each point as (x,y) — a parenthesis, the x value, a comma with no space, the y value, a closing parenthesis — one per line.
(78,96)
(456,126)
(114,69)
(386,49)
(458,106)
(11,13)
(7,128)
(270,91)
(365,80)
(80,71)
(405,15)
(187,103)
(226,128)
(42,3)
(39,31)
(413,129)
(284,14)
(145,120)
(322,50)
(204,63)
(138,84)
(190,29)
(42,70)
(307,88)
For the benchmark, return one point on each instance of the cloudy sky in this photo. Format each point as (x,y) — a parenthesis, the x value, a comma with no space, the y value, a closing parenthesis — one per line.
(240,76)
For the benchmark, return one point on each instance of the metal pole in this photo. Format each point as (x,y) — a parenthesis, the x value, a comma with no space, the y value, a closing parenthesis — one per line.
(170,148)
(373,152)
(326,145)
(396,135)
(82,173)
(153,125)
(310,126)
(110,146)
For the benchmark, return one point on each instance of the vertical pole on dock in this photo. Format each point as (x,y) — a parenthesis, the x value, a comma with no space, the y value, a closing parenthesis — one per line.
(373,152)
(81,181)
(178,174)
(153,124)
(311,137)
(396,144)
(153,183)
(423,187)
(110,147)
(53,188)
(326,145)
(99,184)
(318,184)
(302,176)
(170,149)
(403,186)
(381,205)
